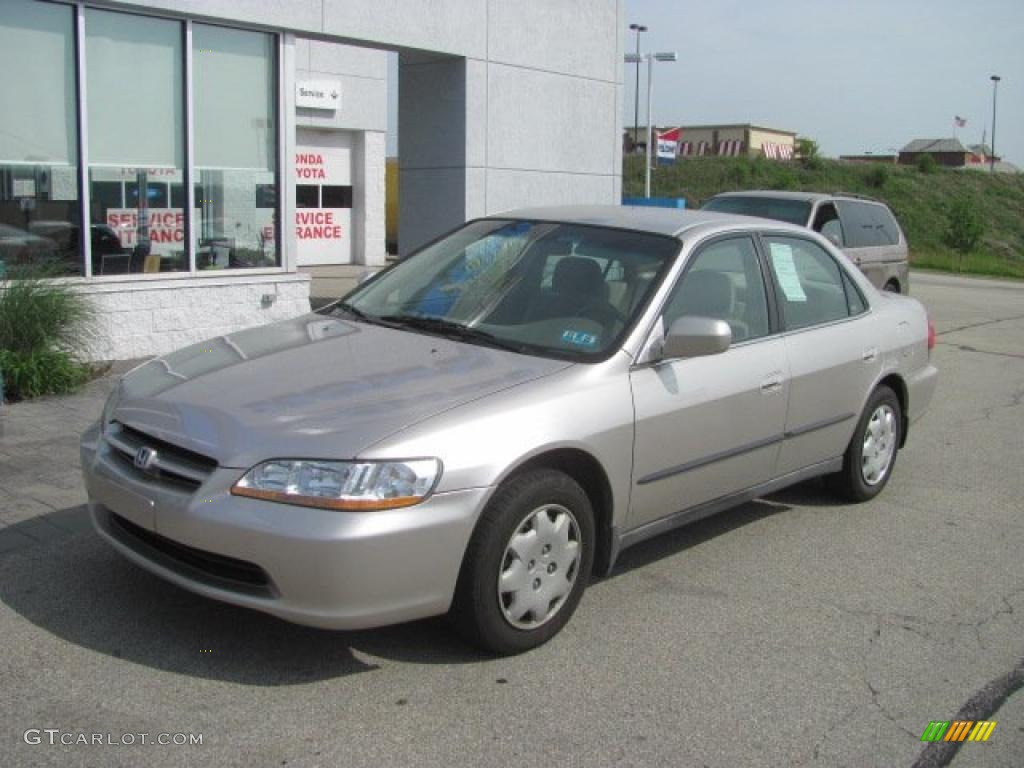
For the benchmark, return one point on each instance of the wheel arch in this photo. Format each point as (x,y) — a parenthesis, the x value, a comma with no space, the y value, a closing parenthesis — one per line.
(895,382)
(587,471)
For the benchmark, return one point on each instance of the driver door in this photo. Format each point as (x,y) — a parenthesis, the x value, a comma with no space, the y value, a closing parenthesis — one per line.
(710,426)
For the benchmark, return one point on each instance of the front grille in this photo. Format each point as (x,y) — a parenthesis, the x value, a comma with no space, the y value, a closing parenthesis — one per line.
(172,465)
(208,567)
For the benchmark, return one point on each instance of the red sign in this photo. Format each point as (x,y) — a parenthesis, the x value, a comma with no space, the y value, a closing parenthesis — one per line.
(316,225)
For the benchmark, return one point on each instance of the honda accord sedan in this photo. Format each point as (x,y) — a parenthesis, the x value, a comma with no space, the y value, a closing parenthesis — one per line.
(483,427)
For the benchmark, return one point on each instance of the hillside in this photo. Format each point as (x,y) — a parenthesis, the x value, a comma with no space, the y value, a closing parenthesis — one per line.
(919,200)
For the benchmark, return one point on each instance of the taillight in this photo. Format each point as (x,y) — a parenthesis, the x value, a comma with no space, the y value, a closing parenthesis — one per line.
(931,335)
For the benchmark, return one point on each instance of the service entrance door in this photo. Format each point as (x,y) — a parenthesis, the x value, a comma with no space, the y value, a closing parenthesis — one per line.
(323,197)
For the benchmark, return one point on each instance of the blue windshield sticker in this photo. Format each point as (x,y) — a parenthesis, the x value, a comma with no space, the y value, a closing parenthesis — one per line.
(579,338)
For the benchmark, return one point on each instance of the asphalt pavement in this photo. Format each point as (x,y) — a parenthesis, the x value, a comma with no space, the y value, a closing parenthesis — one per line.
(794,630)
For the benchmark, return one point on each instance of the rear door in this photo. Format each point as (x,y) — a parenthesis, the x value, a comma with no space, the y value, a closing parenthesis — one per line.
(710,426)
(832,356)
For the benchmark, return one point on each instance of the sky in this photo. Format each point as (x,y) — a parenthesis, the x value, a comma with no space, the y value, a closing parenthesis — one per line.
(854,75)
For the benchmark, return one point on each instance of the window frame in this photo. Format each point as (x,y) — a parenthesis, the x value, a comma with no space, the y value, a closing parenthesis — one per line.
(284,245)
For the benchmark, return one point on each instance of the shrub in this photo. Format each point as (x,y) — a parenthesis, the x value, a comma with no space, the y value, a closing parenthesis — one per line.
(40,372)
(43,327)
(877,175)
(927,163)
(964,226)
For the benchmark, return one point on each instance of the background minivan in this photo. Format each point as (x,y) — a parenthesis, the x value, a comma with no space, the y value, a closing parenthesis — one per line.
(864,228)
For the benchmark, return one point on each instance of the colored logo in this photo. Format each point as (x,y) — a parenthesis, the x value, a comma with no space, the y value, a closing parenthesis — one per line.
(958,730)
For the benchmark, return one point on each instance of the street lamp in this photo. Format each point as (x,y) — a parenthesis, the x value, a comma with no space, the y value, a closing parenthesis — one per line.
(638,28)
(632,58)
(992,160)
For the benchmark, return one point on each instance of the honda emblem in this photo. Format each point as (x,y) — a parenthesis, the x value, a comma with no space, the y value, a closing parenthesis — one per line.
(145,458)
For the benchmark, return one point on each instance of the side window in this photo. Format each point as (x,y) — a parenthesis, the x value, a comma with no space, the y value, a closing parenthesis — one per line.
(826,221)
(808,282)
(723,281)
(854,299)
(888,229)
(858,224)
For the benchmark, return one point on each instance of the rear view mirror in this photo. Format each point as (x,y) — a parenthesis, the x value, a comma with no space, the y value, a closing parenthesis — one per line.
(691,336)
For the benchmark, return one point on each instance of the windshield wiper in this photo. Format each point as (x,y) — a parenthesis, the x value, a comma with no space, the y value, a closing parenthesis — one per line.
(453,330)
(358,314)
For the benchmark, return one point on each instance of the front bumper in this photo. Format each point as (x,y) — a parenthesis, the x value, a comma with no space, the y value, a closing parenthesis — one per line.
(323,568)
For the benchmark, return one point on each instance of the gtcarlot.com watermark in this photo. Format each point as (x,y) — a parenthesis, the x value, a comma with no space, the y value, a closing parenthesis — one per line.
(56,737)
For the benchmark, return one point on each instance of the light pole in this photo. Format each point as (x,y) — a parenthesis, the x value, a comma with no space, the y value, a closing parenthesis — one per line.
(638,28)
(632,58)
(995,86)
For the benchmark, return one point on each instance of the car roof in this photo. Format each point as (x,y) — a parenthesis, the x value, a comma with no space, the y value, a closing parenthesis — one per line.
(658,221)
(809,197)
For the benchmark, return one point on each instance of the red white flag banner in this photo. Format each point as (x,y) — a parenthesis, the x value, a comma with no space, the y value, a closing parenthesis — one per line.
(668,141)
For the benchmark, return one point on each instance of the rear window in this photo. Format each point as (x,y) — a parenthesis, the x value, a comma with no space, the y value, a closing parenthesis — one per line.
(791,211)
(867,224)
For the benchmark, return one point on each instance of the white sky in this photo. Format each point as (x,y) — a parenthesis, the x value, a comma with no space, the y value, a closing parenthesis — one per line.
(856,76)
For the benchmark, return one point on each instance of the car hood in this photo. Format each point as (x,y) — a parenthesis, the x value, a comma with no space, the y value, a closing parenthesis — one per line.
(312,387)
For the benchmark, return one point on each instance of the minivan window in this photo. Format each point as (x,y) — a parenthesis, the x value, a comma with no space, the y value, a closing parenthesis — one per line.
(867,224)
(791,211)
(565,290)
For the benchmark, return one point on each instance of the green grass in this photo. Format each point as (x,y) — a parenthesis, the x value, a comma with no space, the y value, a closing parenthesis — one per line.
(44,325)
(919,200)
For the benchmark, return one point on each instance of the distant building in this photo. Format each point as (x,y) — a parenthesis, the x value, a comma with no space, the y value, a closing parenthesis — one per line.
(952,154)
(948,152)
(723,140)
(868,157)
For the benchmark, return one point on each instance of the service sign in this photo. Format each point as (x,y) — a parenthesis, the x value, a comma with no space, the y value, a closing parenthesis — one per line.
(323,233)
(318,94)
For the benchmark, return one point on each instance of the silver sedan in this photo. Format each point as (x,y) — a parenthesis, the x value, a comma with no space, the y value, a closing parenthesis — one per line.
(484,426)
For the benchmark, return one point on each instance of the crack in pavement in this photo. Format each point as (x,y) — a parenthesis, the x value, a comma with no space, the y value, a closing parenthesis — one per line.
(981,706)
(969,326)
(969,348)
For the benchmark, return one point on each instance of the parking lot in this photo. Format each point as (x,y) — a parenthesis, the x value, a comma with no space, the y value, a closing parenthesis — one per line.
(794,630)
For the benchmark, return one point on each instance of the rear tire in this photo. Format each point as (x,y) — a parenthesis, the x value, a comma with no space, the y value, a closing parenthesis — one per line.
(527,563)
(871,454)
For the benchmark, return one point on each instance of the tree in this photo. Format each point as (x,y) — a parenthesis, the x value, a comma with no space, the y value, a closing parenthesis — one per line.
(807,148)
(808,153)
(964,227)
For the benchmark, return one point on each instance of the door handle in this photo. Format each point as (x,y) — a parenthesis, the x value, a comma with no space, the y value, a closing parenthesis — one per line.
(869,354)
(772,384)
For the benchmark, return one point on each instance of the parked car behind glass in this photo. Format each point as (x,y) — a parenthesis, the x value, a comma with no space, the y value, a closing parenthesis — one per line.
(864,229)
(483,426)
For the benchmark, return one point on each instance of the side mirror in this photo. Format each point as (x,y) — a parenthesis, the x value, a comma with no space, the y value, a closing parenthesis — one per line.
(366,276)
(692,336)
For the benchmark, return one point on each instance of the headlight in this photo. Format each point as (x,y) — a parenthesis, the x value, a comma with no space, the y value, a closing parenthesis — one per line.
(346,485)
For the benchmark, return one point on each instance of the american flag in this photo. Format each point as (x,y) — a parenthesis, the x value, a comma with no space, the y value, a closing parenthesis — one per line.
(960,121)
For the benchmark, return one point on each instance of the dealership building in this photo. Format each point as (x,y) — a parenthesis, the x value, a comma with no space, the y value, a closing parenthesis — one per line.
(223,153)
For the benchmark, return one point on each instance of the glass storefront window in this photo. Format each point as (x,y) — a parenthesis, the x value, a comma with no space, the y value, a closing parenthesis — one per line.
(235,140)
(39,212)
(134,89)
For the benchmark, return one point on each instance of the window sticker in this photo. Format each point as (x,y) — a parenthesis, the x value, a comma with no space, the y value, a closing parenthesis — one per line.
(579,338)
(785,272)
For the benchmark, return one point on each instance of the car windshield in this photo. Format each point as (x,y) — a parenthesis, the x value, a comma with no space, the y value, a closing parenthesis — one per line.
(792,211)
(562,290)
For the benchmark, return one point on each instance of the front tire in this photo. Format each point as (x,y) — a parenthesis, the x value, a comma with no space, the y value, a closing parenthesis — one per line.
(871,454)
(527,563)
